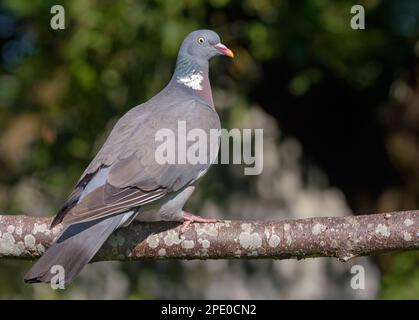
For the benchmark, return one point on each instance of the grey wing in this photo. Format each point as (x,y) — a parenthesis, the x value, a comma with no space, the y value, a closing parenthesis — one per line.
(135,177)
(106,156)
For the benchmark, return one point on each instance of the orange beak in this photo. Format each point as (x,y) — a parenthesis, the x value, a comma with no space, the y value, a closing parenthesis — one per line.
(224,50)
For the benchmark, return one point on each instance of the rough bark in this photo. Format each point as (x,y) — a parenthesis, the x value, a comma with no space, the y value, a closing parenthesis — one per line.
(24,237)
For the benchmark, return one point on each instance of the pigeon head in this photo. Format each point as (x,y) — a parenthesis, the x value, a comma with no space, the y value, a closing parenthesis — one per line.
(192,64)
(203,45)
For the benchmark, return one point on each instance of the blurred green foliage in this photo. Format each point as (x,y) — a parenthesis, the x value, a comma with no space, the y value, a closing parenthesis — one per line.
(61,91)
(402,281)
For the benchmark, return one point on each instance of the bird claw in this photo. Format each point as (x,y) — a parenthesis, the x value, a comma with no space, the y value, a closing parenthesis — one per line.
(189,218)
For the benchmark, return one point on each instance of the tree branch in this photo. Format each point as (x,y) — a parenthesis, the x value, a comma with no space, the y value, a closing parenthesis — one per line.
(24,237)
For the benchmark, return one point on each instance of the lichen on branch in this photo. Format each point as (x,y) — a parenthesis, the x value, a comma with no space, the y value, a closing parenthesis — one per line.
(25,237)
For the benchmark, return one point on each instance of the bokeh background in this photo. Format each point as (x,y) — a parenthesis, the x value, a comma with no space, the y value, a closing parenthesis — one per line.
(340,109)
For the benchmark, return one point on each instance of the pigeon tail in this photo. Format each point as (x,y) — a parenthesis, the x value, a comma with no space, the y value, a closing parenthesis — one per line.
(73,249)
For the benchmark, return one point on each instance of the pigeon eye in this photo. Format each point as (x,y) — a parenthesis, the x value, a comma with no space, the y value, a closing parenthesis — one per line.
(201,40)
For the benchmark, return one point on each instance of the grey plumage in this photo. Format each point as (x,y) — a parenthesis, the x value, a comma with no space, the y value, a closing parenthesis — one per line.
(124,180)
(73,249)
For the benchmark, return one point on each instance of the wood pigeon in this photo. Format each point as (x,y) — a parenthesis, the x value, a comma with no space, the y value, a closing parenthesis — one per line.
(124,181)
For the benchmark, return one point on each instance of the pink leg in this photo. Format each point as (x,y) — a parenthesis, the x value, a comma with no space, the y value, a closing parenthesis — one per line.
(188,218)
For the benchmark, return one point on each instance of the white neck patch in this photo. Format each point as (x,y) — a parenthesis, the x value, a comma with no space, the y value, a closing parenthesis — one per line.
(193,80)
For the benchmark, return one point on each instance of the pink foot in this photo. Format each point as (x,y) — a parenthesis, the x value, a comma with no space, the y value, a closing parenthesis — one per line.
(188,218)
